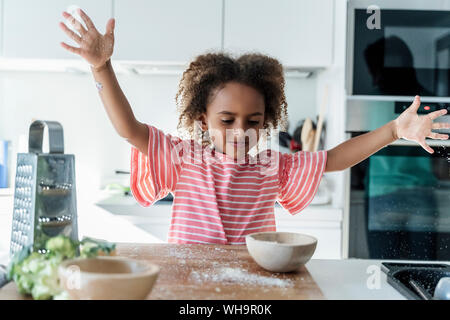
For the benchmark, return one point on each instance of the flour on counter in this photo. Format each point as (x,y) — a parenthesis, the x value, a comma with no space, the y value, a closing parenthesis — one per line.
(180,252)
(238,275)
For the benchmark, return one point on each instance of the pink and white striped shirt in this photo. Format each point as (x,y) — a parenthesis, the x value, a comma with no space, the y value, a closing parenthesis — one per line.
(218,199)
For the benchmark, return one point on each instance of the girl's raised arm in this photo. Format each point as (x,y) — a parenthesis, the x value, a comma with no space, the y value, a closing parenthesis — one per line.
(97,50)
(409,125)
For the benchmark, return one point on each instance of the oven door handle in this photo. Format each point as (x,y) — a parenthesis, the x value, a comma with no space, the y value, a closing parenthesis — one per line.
(430,142)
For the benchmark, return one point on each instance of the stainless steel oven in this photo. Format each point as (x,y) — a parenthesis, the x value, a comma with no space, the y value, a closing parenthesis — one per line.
(399,203)
(399,206)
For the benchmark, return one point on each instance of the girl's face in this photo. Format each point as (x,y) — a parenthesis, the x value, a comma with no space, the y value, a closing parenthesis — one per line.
(234,116)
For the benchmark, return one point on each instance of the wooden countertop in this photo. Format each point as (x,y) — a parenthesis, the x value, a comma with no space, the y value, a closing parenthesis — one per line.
(201,272)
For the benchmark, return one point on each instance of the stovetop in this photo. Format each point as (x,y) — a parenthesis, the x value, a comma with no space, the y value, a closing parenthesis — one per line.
(404,276)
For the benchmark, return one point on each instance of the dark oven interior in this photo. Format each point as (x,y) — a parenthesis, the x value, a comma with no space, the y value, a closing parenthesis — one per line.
(400,204)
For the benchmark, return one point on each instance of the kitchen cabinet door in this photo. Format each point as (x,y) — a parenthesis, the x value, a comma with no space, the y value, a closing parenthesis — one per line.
(6,211)
(31,26)
(328,239)
(1,26)
(297,32)
(166,30)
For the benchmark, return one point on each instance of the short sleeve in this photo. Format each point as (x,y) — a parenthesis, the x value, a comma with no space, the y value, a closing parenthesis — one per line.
(299,176)
(155,175)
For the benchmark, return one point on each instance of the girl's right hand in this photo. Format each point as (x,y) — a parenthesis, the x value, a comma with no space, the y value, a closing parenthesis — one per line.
(95,48)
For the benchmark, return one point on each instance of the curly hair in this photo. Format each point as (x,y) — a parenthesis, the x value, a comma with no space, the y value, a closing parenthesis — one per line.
(211,71)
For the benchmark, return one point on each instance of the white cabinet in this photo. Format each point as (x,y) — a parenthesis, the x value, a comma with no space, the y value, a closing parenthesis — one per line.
(322,222)
(166,30)
(154,220)
(297,32)
(6,210)
(1,26)
(31,26)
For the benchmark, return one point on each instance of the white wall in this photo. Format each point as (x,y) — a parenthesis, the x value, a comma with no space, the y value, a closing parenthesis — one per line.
(72,99)
(334,78)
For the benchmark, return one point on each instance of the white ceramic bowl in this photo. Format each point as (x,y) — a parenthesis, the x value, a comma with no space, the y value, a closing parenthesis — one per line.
(107,278)
(280,251)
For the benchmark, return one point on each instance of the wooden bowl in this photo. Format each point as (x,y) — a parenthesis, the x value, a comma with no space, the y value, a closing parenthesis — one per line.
(107,278)
(280,251)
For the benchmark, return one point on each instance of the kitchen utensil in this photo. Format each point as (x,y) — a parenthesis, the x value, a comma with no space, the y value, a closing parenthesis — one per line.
(280,251)
(422,292)
(307,135)
(323,195)
(442,290)
(108,278)
(45,195)
(297,141)
(320,120)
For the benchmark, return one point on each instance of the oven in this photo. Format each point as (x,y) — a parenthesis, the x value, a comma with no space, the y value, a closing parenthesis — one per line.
(399,203)
(399,198)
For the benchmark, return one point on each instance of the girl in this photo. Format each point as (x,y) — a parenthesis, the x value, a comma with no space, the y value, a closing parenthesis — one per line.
(221,191)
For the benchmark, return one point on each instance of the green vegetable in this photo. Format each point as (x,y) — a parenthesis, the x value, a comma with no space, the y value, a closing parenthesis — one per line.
(92,247)
(62,246)
(46,280)
(37,273)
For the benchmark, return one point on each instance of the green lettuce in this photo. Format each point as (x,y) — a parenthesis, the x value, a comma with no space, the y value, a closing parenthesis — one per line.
(36,273)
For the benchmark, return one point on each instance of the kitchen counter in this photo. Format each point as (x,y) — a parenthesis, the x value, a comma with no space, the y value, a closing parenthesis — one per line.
(336,279)
(347,279)
(202,272)
(356,279)
(228,272)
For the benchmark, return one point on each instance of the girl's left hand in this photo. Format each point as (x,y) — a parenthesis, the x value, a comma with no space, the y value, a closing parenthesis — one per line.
(410,126)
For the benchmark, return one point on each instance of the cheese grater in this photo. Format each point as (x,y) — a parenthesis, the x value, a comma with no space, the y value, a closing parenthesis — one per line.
(45,194)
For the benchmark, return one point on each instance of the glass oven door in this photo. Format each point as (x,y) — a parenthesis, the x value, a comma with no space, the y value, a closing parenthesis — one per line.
(400,204)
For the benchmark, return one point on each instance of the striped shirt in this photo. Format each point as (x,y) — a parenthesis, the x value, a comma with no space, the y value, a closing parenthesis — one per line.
(218,199)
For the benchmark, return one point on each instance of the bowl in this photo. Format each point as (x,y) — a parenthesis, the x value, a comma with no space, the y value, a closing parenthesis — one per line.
(442,290)
(280,251)
(107,278)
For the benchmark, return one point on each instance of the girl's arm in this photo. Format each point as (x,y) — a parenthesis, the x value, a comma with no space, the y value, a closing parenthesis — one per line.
(97,49)
(409,125)
(118,108)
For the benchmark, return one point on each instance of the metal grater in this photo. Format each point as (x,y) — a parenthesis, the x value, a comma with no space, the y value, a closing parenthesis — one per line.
(45,193)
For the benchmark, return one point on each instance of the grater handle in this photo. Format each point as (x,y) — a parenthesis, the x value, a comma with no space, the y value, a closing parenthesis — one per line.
(55,135)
